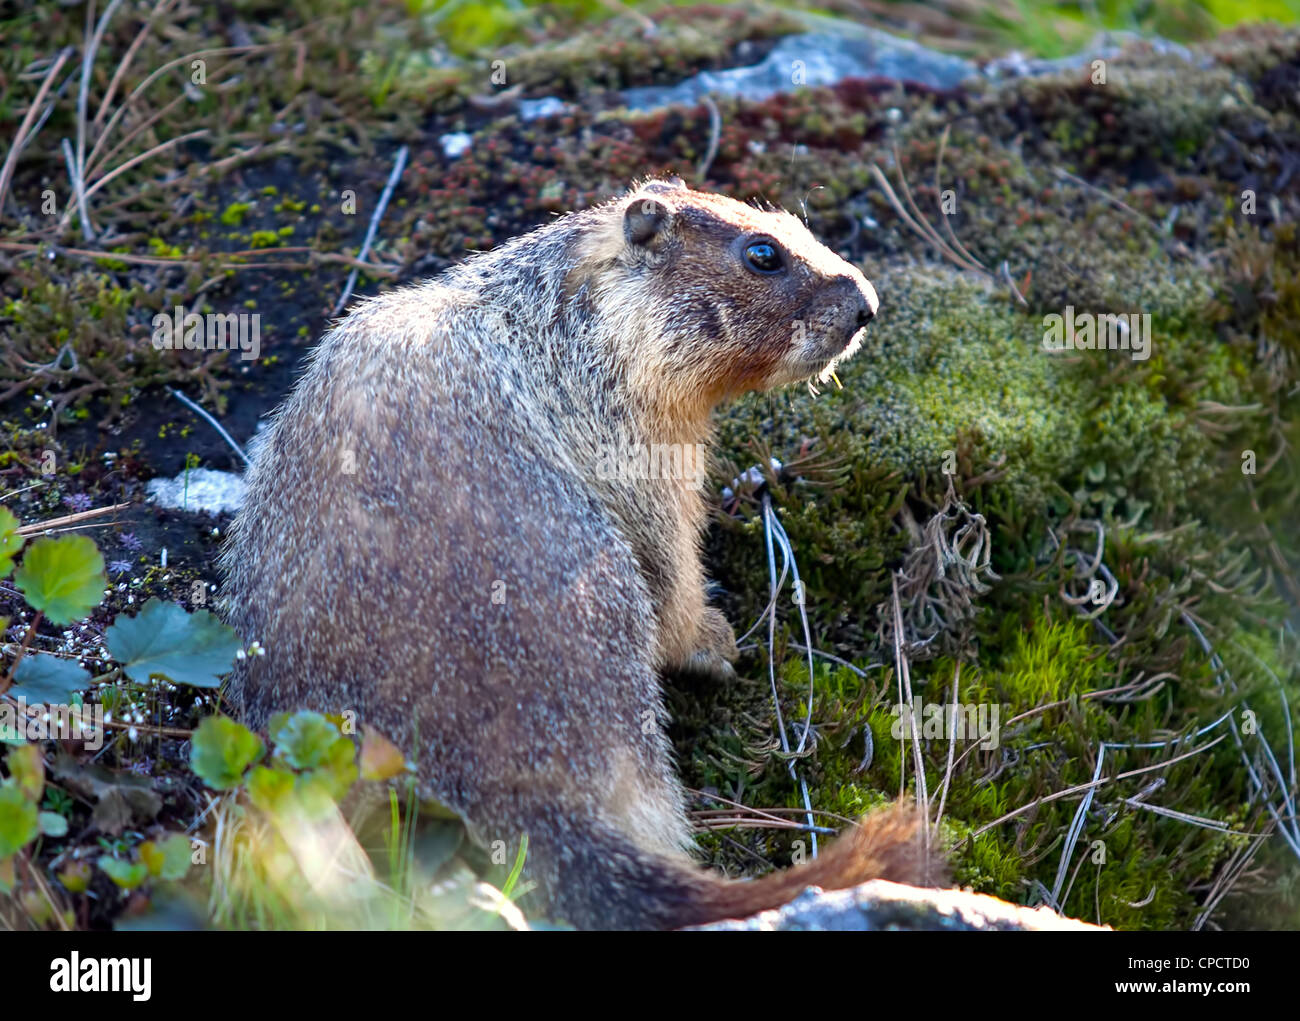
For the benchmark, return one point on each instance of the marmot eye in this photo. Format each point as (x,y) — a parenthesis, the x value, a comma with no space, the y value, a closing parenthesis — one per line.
(764,257)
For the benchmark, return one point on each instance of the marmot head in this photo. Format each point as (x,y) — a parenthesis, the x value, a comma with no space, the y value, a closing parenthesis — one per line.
(719,297)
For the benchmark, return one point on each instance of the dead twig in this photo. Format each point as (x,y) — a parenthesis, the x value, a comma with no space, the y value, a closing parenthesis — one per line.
(399,164)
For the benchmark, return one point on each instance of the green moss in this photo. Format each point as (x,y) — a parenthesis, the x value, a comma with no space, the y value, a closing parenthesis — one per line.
(70,335)
(233,214)
(944,360)
(157,246)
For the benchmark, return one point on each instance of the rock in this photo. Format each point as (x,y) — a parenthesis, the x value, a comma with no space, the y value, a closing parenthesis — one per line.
(455,144)
(878,906)
(814,59)
(846,50)
(201,489)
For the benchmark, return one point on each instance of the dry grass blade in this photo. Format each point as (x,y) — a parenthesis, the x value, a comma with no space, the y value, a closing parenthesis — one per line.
(952,744)
(93,39)
(160,8)
(69,519)
(1084,787)
(905,698)
(144,125)
(926,233)
(951,247)
(774,533)
(315,258)
(219,51)
(715,134)
(1229,875)
(135,160)
(21,139)
(938,190)
(79,193)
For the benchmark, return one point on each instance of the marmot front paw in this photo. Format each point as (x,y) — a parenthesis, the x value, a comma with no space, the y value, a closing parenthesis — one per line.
(717,647)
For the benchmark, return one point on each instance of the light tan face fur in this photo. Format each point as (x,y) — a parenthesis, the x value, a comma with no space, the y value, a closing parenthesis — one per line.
(720,324)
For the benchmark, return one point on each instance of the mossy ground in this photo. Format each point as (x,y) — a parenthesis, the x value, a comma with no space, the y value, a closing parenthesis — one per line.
(1116,198)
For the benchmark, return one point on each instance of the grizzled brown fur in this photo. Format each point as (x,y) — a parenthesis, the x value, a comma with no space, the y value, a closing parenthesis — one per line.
(428,539)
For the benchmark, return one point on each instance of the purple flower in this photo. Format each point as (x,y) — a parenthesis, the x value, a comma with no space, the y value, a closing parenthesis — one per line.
(131,542)
(78,501)
(119,566)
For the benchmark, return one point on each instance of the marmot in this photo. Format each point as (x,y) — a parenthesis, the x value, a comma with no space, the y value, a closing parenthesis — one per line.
(430,539)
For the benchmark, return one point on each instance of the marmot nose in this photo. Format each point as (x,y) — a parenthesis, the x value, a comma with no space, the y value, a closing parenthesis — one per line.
(864,299)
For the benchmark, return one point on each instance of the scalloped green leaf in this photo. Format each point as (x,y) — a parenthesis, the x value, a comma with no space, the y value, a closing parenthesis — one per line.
(221,750)
(19,820)
(186,648)
(305,739)
(63,578)
(10,541)
(48,680)
(310,742)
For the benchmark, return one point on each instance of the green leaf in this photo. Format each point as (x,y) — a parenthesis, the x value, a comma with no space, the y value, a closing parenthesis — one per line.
(63,577)
(19,823)
(169,860)
(221,750)
(380,758)
(314,796)
(48,679)
(310,742)
(305,739)
(9,542)
(186,648)
(125,874)
(268,788)
(177,850)
(27,770)
(52,824)
(75,876)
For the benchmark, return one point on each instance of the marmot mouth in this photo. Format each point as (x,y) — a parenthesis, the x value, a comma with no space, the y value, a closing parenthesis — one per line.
(832,354)
(821,365)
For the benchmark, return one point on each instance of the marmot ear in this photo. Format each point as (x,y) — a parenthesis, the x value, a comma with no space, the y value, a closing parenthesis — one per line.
(666,184)
(646,219)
